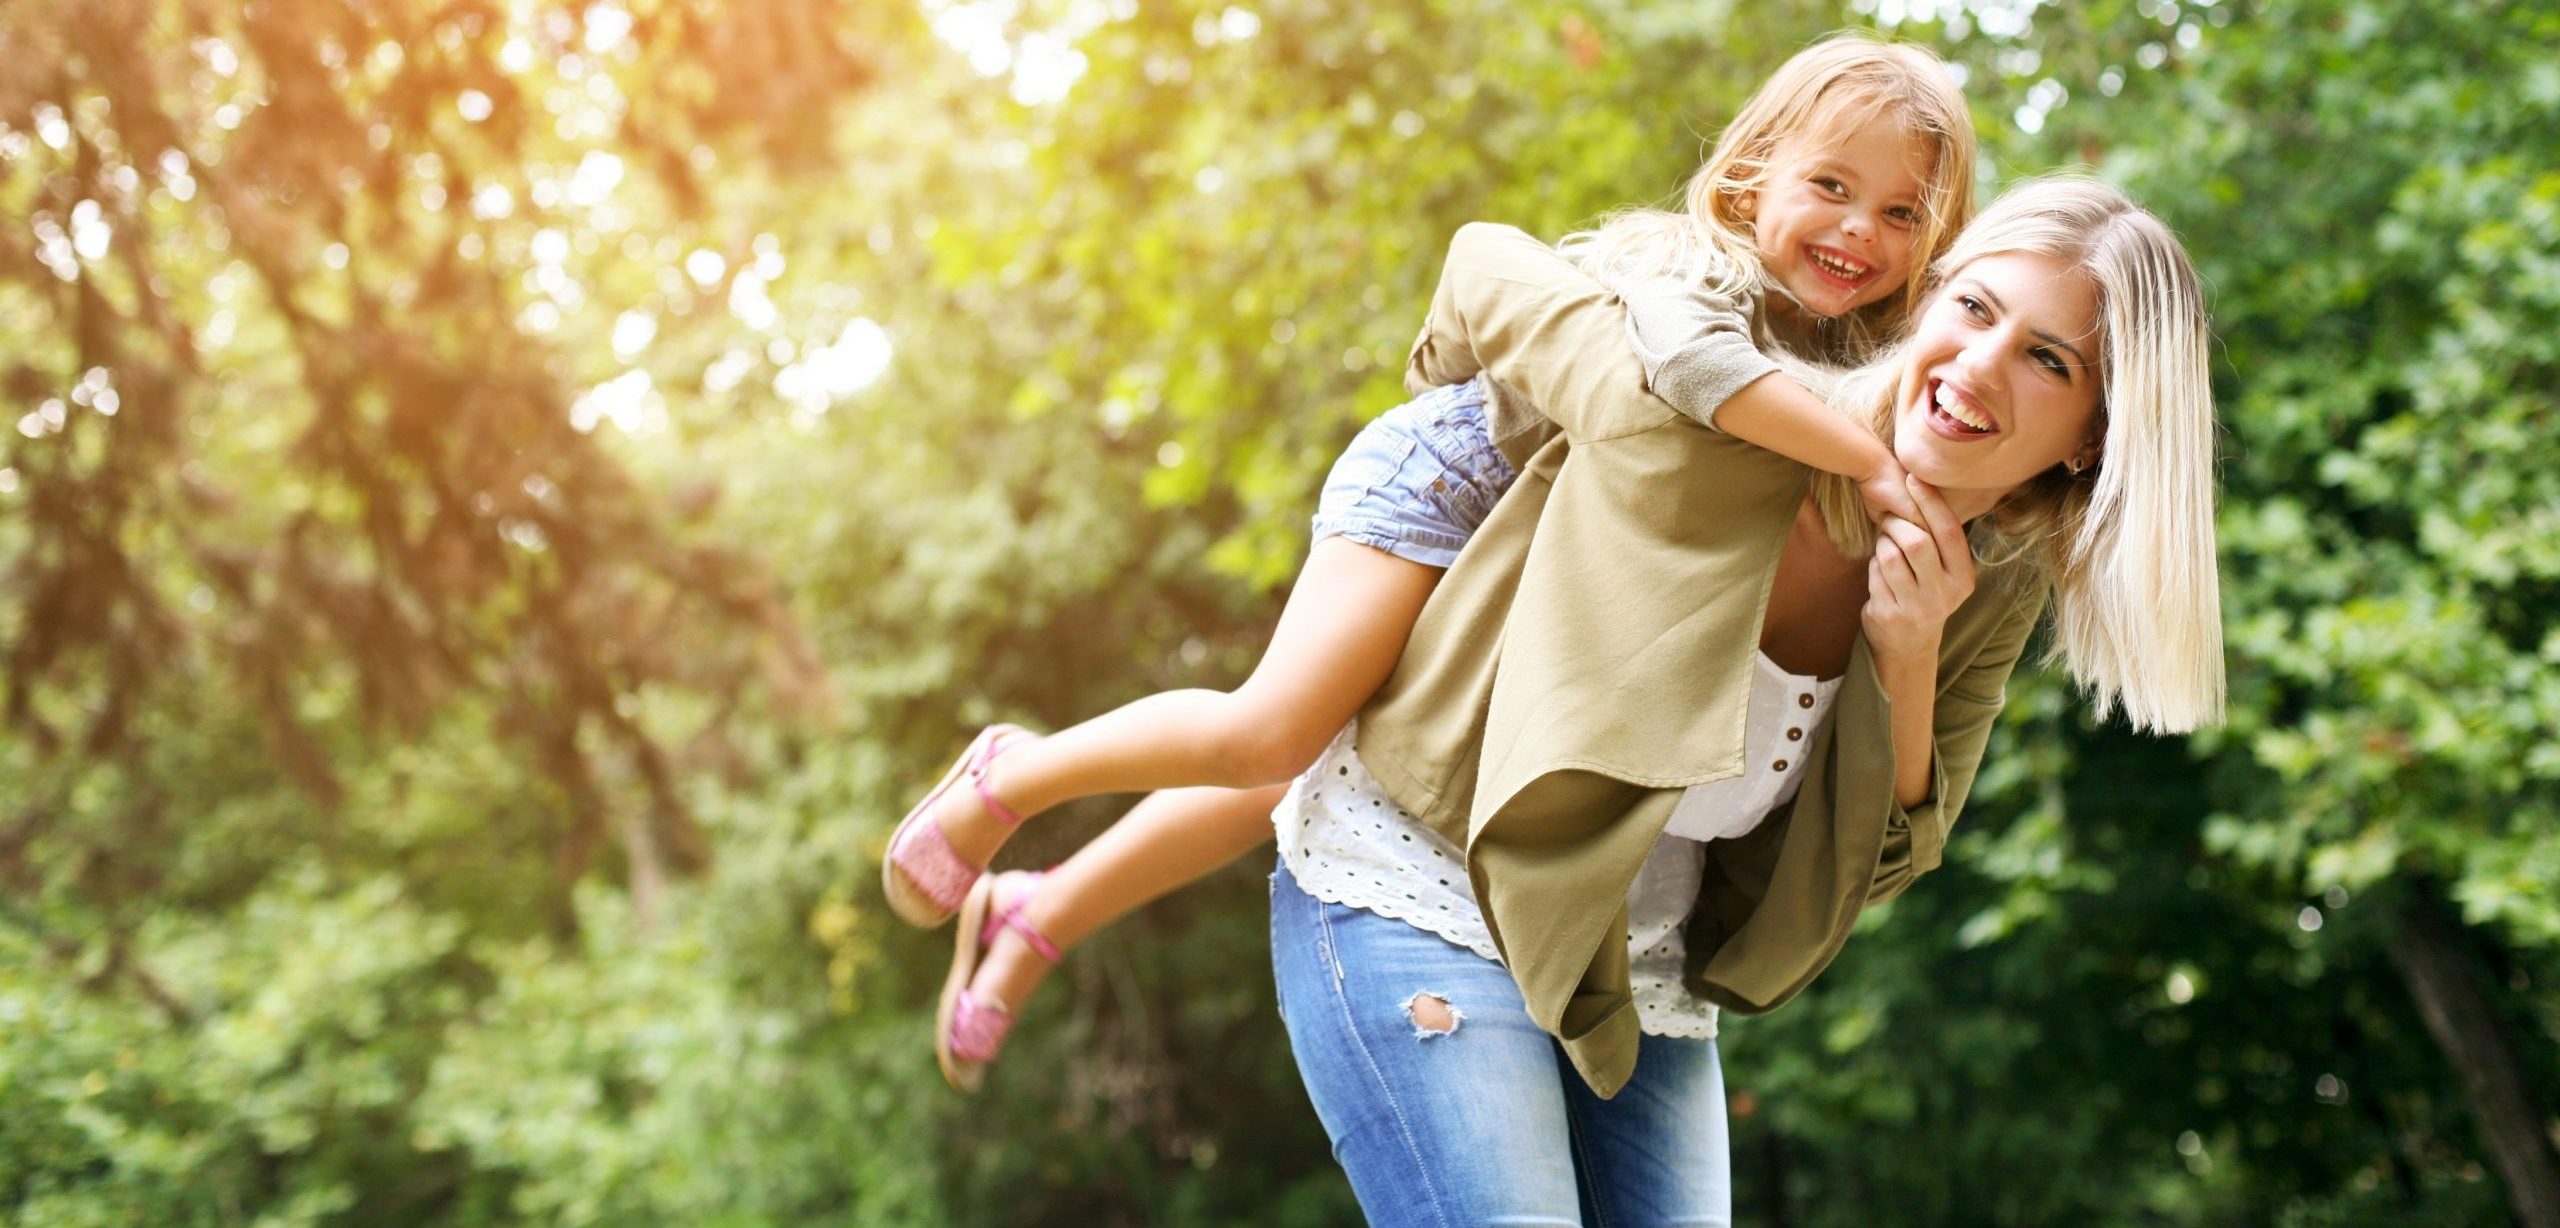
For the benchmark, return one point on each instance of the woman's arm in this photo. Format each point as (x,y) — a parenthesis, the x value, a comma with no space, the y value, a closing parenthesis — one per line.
(1779,901)
(1919,574)
(1955,726)
(1918,577)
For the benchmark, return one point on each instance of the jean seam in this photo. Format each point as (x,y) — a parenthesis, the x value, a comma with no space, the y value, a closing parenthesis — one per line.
(1578,1134)
(1278,1006)
(1351,1026)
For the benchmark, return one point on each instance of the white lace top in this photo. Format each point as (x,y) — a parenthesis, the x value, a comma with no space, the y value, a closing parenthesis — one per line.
(1347,842)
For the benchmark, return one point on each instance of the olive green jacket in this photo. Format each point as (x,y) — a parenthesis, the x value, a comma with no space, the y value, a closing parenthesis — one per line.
(1590,655)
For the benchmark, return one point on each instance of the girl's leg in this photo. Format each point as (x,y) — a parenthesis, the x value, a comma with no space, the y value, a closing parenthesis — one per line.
(1445,1104)
(1338,638)
(1660,1155)
(1169,840)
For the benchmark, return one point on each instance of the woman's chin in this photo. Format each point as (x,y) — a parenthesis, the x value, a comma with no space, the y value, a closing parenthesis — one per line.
(1922,459)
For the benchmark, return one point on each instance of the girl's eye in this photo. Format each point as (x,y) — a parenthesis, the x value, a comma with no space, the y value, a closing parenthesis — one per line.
(1903,216)
(1832,186)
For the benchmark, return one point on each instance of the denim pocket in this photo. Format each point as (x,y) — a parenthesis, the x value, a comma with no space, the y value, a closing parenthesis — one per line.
(1373,461)
(1473,472)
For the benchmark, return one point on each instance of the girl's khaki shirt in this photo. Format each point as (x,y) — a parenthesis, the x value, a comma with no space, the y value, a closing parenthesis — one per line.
(1589,656)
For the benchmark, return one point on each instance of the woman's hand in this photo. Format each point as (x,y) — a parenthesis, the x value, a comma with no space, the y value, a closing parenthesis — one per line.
(1920,572)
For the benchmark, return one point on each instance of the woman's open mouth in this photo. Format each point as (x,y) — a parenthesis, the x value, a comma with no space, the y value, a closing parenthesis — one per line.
(1956,415)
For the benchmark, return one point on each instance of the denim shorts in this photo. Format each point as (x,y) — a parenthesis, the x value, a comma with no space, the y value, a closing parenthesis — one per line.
(1418,480)
(1481,1119)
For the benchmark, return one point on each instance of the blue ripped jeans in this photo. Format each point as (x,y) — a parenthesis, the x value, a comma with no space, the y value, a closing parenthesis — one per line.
(1484,1122)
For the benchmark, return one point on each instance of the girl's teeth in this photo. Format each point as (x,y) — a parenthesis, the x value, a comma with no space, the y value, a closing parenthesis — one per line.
(1836,267)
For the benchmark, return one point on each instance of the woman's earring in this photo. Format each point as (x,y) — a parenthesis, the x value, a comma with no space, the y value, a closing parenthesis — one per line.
(2077,465)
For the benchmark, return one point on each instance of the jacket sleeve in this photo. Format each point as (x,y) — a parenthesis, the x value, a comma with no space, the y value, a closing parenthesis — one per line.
(1778,903)
(1553,340)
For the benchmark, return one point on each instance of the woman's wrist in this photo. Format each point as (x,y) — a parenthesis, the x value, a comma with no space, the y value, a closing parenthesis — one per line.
(1905,649)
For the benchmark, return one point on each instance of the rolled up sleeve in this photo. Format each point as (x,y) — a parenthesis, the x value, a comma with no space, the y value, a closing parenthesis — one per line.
(1553,339)
(1695,345)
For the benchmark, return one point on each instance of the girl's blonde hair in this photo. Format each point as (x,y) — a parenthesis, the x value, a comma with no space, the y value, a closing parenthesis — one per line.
(1827,89)
(2128,542)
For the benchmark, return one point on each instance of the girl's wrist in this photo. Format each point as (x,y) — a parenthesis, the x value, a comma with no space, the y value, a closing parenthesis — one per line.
(1878,458)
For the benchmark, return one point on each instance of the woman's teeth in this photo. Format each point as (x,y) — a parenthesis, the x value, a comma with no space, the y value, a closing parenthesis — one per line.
(1965,415)
(1848,270)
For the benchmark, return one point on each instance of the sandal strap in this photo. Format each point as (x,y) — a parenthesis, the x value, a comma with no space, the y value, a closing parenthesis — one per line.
(977,774)
(978,1028)
(1012,918)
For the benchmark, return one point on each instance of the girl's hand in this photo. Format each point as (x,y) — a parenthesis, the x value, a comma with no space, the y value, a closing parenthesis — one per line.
(1887,492)
(1921,571)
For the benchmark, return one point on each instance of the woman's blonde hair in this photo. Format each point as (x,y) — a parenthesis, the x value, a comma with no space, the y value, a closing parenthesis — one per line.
(1827,89)
(2128,542)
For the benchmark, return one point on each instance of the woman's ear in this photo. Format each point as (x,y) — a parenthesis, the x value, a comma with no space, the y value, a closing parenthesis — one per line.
(2091,448)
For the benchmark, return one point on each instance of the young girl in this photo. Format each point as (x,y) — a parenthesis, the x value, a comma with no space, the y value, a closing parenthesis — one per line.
(1808,229)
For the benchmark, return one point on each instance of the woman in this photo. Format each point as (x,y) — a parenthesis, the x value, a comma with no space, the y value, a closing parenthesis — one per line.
(1659,629)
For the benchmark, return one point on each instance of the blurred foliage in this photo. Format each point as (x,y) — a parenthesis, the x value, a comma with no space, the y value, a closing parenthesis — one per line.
(509,498)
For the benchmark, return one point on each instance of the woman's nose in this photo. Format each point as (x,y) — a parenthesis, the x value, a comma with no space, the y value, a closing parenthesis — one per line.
(1980,363)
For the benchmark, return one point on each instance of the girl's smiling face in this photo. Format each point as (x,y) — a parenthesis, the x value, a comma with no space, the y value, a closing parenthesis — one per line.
(1834,222)
(2002,378)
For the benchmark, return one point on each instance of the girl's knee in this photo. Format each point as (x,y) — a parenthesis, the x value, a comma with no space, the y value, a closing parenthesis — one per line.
(1263,738)
(1256,742)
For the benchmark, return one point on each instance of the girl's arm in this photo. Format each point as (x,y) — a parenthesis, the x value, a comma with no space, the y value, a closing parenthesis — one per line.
(1508,306)
(1698,354)
(1553,340)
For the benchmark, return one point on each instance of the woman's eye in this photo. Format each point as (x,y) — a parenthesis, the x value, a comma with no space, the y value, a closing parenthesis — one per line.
(1973,306)
(2053,362)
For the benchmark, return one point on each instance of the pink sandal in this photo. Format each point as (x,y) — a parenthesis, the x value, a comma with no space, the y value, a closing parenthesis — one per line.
(924,878)
(968,1029)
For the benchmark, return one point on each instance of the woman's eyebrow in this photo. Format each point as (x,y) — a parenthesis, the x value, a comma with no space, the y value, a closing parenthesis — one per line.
(2078,359)
(2040,334)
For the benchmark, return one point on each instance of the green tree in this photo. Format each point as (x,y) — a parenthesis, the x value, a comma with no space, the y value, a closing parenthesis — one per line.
(509,501)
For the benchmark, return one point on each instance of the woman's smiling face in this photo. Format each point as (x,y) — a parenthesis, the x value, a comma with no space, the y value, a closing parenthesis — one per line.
(2002,378)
